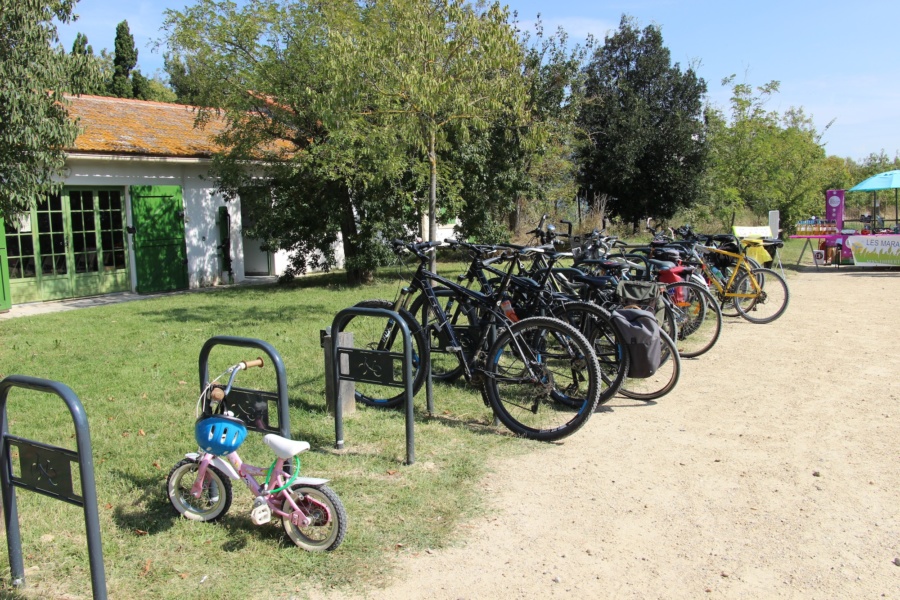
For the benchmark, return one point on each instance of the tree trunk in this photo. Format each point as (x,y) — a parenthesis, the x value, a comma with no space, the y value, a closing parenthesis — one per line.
(350,236)
(432,198)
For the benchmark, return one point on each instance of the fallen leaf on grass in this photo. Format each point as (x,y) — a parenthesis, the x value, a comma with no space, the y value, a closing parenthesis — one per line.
(141,432)
(140,532)
(392,472)
(146,568)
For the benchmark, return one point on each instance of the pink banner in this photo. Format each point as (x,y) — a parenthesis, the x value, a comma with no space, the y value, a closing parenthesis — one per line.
(834,207)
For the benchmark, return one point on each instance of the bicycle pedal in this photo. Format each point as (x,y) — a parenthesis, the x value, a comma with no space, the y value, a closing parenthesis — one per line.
(260,514)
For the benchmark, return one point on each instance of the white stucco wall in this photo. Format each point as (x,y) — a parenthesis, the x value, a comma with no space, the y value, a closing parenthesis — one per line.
(201,206)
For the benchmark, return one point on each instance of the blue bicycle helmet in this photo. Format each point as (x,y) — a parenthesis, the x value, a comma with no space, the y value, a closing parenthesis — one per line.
(220,434)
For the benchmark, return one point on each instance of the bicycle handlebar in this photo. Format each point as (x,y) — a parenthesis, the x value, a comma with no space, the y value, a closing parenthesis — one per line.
(258,362)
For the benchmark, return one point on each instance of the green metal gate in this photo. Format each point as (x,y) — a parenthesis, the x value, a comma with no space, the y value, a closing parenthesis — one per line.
(160,254)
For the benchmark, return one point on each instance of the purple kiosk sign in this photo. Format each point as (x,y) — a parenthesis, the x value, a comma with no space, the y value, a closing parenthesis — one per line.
(834,207)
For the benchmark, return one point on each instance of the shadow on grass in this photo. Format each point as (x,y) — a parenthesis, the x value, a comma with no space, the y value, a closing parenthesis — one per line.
(150,512)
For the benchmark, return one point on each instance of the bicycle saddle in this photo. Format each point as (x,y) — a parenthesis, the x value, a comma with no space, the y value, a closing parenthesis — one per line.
(283,447)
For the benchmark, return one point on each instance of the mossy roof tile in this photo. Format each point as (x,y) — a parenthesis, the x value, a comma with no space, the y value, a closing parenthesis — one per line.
(141,128)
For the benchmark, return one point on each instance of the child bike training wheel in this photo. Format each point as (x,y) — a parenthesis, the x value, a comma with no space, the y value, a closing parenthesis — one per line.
(530,367)
(378,333)
(662,381)
(212,503)
(329,518)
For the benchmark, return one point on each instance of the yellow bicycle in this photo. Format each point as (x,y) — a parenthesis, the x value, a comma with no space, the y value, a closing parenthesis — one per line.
(757,294)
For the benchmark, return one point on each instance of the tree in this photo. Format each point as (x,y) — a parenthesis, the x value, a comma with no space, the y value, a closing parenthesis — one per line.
(182,82)
(124,61)
(34,125)
(315,151)
(422,67)
(81,47)
(96,71)
(301,177)
(642,117)
(151,88)
(764,160)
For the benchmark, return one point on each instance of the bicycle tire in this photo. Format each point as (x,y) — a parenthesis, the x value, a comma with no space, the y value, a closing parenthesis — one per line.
(526,406)
(771,301)
(698,317)
(660,383)
(213,503)
(373,333)
(328,526)
(445,365)
(594,323)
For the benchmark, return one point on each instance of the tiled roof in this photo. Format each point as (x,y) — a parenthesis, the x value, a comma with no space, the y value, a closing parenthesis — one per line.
(141,128)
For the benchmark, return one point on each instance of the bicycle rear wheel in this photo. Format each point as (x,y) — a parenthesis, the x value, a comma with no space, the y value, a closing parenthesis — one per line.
(662,381)
(378,333)
(529,365)
(698,318)
(326,511)
(594,323)
(771,299)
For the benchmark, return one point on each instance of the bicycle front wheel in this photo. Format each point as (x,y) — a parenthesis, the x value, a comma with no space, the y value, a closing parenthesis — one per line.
(213,502)
(530,365)
(770,299)
(381,334)
(324,508)
(662,381)
(595,325)
(698,318)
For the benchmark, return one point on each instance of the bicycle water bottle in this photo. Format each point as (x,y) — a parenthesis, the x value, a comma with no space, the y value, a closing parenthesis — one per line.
(507,308)
(718,274)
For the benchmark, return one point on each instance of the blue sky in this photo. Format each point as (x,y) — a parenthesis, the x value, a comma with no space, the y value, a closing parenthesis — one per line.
(838,60)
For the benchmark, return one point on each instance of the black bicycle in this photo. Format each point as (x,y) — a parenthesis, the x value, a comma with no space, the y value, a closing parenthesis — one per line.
(539,375)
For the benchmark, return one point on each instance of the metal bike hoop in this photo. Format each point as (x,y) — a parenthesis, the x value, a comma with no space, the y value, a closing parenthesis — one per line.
(242,396)
(374,366)
(47,470)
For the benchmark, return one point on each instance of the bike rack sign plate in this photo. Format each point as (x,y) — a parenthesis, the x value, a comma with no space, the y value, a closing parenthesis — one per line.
(44,469)
(371,366)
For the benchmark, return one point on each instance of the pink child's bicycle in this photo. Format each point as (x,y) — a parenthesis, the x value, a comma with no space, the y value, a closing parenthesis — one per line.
(199,486)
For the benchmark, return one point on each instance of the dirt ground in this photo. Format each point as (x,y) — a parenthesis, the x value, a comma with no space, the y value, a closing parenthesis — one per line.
(771,471)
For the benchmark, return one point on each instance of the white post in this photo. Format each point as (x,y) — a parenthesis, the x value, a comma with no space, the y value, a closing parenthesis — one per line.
(774,219)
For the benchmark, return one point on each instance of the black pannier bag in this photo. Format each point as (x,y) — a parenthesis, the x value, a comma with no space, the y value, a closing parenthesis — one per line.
(722,261)
(639,331)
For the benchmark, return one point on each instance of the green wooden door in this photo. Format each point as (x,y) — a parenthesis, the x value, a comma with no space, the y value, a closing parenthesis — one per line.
(5,300)
(160,254)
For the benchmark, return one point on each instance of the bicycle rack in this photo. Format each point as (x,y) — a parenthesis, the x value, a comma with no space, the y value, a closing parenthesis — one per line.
(47,470)
(374,366)
(252,406)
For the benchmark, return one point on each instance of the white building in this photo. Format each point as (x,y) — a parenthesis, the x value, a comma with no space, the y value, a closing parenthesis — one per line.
(137,211)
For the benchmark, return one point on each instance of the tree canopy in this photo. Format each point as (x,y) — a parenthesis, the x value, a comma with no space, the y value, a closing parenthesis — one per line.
(35,72)
(642,119)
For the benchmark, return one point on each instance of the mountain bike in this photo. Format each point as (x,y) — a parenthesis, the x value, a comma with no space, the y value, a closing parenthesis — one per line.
(199,486)
(539,375)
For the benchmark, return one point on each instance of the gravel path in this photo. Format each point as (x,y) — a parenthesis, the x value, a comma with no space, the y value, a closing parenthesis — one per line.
(771,471)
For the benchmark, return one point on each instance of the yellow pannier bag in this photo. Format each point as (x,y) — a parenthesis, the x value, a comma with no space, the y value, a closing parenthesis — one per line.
(756,251)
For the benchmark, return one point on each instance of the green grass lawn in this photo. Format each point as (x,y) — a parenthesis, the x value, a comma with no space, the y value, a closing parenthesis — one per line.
(134,366)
